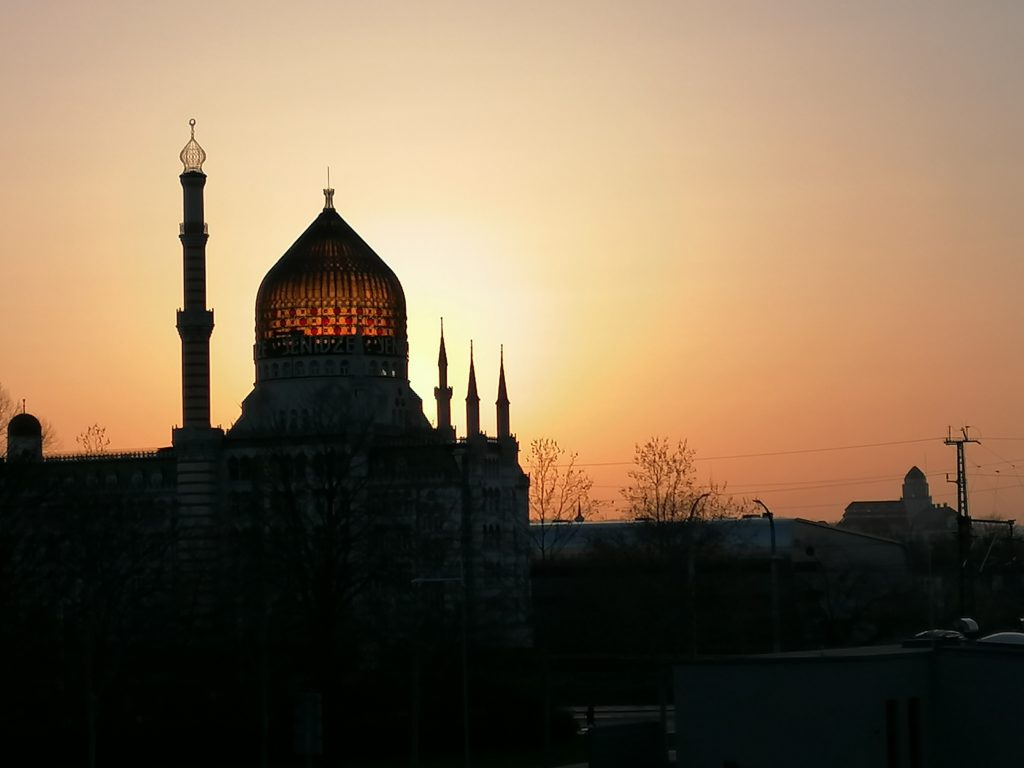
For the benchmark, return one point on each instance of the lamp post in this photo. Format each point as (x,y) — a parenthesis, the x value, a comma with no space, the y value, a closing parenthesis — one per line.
(775,577)
(691,581)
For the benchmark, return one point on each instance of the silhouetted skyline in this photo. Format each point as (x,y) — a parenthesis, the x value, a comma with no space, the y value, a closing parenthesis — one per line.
(765,229)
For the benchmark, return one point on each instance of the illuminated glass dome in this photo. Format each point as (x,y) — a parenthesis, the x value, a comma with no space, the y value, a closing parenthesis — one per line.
(330,287)
(331,354)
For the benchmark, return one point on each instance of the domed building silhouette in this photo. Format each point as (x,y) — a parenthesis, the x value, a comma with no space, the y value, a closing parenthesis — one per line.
(911,516)
(331,338)
(332,450)
(24,438)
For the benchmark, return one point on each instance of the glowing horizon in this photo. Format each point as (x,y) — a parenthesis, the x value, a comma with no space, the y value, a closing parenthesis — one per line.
(772,230)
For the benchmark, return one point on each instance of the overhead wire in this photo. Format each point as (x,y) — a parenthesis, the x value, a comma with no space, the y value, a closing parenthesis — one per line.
(796,486)
(792,452)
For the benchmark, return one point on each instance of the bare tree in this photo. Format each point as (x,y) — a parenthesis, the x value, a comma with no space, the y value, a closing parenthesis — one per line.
(666,495)
(664,488)
(663,481)
(559,495)
(94,441)
(82,567)
(6,406)
(110,561)
(51,440)
(6,414)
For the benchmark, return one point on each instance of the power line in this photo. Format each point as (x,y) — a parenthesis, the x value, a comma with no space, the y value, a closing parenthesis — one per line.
(796,486)
(794,452)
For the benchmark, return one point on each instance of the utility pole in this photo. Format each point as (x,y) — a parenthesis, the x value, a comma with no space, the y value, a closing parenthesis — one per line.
(963,515)
(776,643)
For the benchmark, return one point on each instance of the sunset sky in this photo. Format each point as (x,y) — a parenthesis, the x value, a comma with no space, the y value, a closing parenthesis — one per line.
(788,232)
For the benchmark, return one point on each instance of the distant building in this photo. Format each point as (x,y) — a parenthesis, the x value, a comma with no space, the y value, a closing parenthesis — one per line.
(796,540)
(912,516)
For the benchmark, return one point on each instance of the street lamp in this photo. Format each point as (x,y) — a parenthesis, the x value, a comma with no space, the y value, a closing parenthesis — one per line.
(775,577)
(691,581)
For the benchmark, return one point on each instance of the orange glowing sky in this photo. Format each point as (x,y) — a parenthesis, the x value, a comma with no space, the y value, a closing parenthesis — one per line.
(765,227)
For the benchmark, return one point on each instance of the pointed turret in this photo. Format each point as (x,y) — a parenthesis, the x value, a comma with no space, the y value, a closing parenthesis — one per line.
(502,401)
(443,393)
(472,400)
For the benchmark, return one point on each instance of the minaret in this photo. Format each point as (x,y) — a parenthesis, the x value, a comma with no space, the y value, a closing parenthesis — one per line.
(502,401)
(443,393)
(472,400)
(196,444)
(195,321)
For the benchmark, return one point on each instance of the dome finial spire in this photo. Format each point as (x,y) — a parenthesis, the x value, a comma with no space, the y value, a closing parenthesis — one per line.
(192,156)
(328,192)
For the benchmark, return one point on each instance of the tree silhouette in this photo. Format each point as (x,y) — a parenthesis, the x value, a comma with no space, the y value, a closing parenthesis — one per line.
(82,570)
(674,509)
(559,495)
(93,441)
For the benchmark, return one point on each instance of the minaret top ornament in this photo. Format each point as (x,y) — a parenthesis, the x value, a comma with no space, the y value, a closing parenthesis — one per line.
(193,156)
(329,193)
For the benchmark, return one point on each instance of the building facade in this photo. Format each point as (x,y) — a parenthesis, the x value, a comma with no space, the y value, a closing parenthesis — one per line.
(911,516)
(332,459)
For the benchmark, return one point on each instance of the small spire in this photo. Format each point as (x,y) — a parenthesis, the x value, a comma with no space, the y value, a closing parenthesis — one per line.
(192,155)
(472,400)
(471,389)
(442,355)
(502,389)
(443,393)
(502,403)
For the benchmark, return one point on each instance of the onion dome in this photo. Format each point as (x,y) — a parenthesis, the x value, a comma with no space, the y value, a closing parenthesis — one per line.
(24,438)
(192,155)
(331,284)
(25,425)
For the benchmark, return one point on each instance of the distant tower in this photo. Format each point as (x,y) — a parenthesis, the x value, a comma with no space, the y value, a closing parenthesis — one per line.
(195,321)
(24,438)
(443,393)
(472,400)
(916,496)
(502,401)
(915,486)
